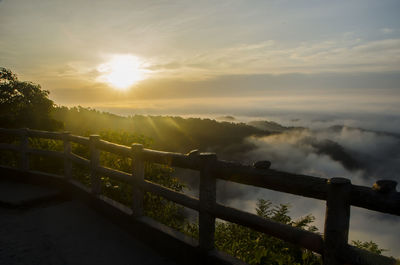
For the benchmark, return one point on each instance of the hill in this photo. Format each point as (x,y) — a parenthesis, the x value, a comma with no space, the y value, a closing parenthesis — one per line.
(170,133)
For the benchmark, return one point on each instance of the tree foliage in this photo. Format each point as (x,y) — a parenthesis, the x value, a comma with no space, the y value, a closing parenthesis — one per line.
(168,133)
(368,245)
(258,248)
(24,104)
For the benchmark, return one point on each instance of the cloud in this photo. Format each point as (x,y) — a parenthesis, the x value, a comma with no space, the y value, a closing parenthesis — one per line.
(387,30)
(364,156)
(360,155)
(340,55)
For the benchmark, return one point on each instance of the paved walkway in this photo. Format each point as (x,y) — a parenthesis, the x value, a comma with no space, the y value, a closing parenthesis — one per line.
(62,232)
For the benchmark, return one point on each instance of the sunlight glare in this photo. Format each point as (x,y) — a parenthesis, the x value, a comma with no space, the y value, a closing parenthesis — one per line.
(122,71)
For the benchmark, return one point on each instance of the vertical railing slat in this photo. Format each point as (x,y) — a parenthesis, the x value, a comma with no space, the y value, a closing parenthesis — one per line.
(94,163)
(207,198)
(337,216)
(137,178)
(337,219)
(67,152)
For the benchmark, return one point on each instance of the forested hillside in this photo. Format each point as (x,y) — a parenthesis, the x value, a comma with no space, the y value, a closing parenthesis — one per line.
(24,104)
(169,133)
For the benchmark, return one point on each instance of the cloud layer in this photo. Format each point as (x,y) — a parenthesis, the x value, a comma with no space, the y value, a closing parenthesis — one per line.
(360,155)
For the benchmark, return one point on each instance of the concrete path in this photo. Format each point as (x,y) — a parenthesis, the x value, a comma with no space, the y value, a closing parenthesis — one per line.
(62,232)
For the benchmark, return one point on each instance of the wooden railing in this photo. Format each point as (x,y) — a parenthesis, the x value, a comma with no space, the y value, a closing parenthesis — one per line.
(338,193)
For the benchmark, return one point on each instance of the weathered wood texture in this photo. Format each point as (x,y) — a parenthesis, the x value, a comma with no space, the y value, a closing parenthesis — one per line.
(312,187)
(207,196)
(115,174)
(337,218)
(303,185)
(43,152)
(339,193)
(307,186)
(94,163)
(138,179)
(114,148)
(183,199)
(172,159)
(79,139)
(67,153)
(79,160)
(44,134)
(371,199)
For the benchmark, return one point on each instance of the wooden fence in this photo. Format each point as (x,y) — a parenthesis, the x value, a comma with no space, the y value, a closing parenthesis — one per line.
(338,193)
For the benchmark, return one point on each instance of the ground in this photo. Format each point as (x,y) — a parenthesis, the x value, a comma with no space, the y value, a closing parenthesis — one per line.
(37,227)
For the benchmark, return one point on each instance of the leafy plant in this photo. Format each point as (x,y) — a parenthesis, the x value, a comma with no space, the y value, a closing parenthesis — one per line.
(258,248)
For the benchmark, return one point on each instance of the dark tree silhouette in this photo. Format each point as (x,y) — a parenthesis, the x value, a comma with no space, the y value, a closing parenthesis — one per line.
(24,104)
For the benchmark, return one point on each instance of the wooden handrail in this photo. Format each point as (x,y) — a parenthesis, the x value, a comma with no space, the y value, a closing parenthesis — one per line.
(385,199)
(114,148)
(44,134)
(79,139)
(78,159)
(43,152)
(307,186)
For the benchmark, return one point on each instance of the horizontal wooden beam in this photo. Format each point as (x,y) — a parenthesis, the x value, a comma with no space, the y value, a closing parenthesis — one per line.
(79,139)
(114,148)
(44,134)
(180,198)
(371,199)
(115,174)
(42,152)
(79,185)
(308,186)
(303,185)
(171,159)
(79,160)
(387,201)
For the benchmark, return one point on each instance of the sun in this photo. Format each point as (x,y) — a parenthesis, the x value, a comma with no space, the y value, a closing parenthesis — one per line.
(122,71)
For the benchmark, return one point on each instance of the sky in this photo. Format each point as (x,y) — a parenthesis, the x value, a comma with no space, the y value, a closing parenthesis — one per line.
(301,63)
(303,56)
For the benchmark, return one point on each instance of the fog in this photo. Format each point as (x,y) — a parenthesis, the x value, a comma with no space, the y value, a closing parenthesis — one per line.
(360,155)
(356,136)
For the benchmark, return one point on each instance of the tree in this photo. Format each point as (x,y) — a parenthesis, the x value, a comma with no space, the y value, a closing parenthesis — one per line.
(369,245)
(24,104)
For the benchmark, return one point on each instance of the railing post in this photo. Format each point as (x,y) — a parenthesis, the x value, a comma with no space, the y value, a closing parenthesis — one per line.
(137,178)
(94,163)
(207,198)
(67,152)
(24,159)
(337,219)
